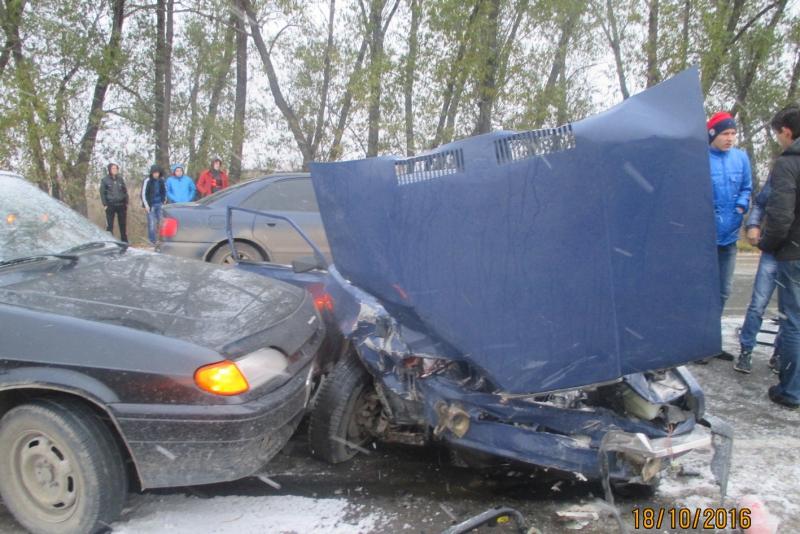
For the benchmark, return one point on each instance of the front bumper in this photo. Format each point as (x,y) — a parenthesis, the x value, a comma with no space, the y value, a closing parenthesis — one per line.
(184,445)
(652,448)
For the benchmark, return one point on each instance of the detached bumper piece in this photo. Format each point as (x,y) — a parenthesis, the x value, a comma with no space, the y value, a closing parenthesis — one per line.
(491,517)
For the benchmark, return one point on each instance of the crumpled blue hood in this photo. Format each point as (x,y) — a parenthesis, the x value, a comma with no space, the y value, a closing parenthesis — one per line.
(549,259)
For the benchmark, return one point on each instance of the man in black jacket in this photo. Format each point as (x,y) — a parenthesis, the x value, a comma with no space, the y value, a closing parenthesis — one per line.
(114,196)
(781,237)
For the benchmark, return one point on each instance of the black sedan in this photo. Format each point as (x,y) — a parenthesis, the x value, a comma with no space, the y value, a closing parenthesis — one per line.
(119,365)
(197,229)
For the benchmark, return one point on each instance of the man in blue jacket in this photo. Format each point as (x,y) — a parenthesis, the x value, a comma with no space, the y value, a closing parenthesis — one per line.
(180,188)
(732,181)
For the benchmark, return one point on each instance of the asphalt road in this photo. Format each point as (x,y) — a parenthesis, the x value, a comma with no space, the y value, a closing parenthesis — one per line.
(419,491)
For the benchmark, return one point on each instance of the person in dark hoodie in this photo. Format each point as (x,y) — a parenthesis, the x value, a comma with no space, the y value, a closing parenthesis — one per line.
(213,179)
(114,196)
(154,194)
(781,237)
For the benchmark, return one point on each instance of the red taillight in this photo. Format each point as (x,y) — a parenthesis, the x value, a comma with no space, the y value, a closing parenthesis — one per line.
(323,302)
(169,227)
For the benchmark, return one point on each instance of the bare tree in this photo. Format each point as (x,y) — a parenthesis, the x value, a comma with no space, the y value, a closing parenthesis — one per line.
(653,75)
(162,85)
(240,101)
(376,28)
(487,84)
(410,73)
(611,30)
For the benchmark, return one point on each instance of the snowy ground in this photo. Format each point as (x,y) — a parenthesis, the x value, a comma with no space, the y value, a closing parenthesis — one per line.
(400,489)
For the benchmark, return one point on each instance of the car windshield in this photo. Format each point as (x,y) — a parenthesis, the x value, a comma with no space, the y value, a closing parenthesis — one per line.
(35,223)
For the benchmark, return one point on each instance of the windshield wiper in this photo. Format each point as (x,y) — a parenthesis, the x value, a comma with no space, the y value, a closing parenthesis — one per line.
(96,244)
(39,257)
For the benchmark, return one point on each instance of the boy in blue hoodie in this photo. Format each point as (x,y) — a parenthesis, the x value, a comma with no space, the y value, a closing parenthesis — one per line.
(180,188)
(732,183)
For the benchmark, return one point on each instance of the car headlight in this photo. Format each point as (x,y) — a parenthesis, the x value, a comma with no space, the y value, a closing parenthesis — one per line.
(263,365)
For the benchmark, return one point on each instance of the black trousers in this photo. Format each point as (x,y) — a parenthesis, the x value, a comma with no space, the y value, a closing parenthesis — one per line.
(121,211)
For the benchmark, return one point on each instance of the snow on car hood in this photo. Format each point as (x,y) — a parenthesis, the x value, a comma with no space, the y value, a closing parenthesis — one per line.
(190,300)
(548,259)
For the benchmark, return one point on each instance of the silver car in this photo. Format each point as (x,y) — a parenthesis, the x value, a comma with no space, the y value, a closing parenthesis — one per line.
(197,229)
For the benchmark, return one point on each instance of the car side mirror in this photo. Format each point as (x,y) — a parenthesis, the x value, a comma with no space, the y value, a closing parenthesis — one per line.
(306,264)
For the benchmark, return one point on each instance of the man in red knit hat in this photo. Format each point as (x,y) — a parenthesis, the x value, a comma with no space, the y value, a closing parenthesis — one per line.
(732,182)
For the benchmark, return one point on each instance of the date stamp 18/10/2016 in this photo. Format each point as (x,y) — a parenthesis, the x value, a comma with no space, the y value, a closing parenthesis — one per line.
(690,518)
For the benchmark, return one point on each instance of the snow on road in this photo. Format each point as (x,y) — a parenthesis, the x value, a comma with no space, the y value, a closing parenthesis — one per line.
(178,514)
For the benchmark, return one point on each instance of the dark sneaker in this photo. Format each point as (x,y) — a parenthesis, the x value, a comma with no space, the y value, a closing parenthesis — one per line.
(725,355)
(777,398)
(744,364)
(775,364)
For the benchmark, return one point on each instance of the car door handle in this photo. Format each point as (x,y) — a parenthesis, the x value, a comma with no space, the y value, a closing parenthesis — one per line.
(271,224)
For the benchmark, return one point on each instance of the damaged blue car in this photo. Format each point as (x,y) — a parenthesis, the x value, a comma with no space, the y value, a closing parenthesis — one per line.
(526,296)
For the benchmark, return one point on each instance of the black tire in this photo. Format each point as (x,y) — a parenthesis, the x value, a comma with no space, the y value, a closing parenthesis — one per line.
(224,256)
(334,421)
(635,490)
(60,469)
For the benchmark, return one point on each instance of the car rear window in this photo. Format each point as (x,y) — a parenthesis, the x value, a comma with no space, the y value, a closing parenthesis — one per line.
(223,193)
(285,195)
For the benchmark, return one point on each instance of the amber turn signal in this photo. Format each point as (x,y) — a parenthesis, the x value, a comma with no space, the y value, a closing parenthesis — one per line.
(222,378)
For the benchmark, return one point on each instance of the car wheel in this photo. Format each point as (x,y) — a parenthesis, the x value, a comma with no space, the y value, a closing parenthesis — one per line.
(632,490)
(60,469)
(345,412)
(224,256)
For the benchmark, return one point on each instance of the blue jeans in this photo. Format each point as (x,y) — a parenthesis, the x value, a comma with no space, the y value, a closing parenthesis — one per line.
(153,220)
(763,288)
(789,296)
(727,262)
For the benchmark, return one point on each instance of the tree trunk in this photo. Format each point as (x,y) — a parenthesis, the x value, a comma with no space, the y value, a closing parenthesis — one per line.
(792,93)
(240,101)
(455,82)
(375,75)
(612,33)
(744,81)
(653,76)
(487,85)
(11,16)
(411,67)
(326,82)
(347,103)
(718,43)
(75,174)
(194,93)
(558,67)
(163,134)
(219,77)
(684,50)
(286,110)
(161,155)
(508,45)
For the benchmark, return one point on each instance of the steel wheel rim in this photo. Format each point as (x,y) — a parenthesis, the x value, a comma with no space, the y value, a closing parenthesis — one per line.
(228,260)
(45,475)
(366,411)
